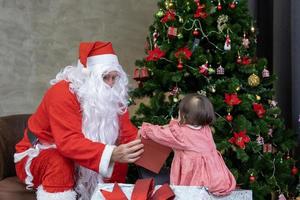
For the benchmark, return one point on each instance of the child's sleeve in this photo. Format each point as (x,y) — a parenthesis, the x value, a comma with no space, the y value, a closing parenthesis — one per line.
(169,135)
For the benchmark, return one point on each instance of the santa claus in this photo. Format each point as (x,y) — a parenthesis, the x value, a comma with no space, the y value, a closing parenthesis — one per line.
(80,134)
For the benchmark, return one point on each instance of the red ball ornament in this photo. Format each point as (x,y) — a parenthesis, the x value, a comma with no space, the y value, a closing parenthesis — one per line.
(294,171)
(196,32)
(252,179)
(229,117)
(180,65)
(219,7)
(232,5)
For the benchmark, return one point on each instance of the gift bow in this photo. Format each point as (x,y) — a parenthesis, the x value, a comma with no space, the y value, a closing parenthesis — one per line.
(142,190)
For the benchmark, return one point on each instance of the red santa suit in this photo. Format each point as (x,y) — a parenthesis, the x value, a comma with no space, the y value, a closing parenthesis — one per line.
(57,124)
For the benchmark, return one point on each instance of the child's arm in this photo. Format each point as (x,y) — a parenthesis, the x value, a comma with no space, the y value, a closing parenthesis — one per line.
(166,135)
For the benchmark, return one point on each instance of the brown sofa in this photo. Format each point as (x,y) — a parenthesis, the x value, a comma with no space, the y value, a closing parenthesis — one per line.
(11,131)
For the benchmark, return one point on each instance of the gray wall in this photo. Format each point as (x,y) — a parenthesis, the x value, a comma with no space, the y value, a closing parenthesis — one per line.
(39,37)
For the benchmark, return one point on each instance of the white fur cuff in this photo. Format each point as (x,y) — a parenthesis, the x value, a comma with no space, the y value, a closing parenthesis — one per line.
(106,167)
(41,194)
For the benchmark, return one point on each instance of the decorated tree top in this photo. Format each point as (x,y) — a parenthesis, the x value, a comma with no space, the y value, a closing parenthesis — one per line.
(209,47)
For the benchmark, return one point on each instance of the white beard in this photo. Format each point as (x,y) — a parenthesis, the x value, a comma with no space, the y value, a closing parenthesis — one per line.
(101,106)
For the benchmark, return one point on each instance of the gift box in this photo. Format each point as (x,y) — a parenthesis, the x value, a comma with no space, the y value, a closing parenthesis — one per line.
(180,192)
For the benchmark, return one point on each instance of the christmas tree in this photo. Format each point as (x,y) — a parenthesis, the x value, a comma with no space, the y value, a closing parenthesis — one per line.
(209,47)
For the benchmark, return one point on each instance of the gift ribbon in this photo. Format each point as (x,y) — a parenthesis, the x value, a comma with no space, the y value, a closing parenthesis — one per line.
(143,190)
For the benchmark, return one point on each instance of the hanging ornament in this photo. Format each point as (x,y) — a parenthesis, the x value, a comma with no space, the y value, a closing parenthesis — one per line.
(265,73)
(172,32)
(136,74)
(180,19)
(222,22)
(144,73)
(253,80)
(196,32)
(294,170)
(267,148)
(229,117)
(155,37)
(245,42)
(171,5)
(211,70)
(179,36)
(246,60)
(239,59)
(227,45)
(238,88)
(203,69)
(180,65)
(202,92)
(195,43)
(175,91)
(220,70)
(212,88)
(281,197)
(252,29)
(259,109)
(252,178)
(288,156)
(258,98)
(260,140)
(272,103)
(270,132)
(160,13)
(232,5)
(141,74)
(219,7)
(170,15)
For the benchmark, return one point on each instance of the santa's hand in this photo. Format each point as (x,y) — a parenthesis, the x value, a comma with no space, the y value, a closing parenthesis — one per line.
(128,153)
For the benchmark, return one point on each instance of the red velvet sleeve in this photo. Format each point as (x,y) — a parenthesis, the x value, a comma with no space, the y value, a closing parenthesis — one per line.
(66,122)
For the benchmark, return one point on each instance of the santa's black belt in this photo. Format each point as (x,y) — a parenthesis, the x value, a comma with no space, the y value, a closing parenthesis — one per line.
(32,138)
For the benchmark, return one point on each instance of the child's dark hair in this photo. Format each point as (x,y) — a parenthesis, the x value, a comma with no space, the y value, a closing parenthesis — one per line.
(196,110)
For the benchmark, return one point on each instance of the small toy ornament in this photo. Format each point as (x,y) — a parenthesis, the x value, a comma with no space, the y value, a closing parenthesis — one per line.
(265,73)
(220,70)
(245,42)
(227,45)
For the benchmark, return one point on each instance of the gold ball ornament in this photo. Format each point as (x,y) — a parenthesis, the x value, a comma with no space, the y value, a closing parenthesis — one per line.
(253,80)
(238,88)
(171,5)
(160,13)
(258,97)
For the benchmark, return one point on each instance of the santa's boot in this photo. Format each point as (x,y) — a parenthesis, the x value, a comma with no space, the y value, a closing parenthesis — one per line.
(41,194)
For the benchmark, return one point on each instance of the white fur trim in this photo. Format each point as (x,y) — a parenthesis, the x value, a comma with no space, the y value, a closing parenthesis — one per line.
(104,59)
(106,167)
(41,194)
(31,153)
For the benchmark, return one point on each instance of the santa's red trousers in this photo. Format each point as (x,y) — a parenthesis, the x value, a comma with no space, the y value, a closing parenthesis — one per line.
(49,169)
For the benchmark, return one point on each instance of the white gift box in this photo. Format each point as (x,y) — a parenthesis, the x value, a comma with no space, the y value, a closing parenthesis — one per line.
(181,192)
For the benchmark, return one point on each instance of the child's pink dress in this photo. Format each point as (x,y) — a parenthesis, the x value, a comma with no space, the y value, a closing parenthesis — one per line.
(196,159)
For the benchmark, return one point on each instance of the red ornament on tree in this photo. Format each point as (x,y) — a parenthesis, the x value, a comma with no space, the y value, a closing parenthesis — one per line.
(229,117)
(239,60)
(144,73)
(172,32)
(294,171)
(196,32)
(252,178)
(232,5)
(219,7)
(240,139)
(180,65)
(232,99)
(259,110)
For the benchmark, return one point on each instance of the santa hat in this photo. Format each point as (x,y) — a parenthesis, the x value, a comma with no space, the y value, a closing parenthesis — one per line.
(98,54)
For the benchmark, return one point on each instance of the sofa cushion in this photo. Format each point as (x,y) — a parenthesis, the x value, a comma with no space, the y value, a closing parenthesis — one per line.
(12,189)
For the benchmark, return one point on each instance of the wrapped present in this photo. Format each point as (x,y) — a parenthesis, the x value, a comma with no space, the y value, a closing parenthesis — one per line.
(180,192)
(268,148)
(172,32)
(143,190)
